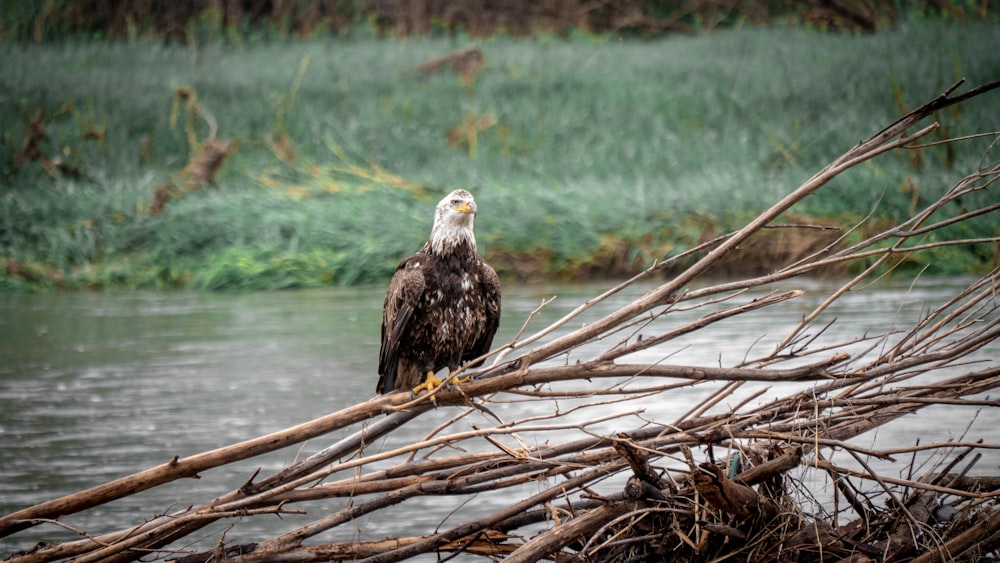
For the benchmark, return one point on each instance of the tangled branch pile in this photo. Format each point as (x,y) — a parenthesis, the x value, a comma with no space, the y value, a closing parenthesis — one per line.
(718,482)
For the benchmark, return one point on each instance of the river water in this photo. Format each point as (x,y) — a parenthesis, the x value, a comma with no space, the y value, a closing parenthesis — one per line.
(94,386)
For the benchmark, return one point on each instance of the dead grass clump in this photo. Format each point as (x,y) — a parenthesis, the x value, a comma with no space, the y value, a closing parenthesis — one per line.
(207,156)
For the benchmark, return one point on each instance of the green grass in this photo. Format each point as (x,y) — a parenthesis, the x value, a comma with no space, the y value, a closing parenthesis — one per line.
(595,139)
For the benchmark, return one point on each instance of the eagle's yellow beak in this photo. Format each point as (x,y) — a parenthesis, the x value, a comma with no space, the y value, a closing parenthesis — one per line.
(465,207)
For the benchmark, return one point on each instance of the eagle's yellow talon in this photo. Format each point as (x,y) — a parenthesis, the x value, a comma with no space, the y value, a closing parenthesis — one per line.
(431,383)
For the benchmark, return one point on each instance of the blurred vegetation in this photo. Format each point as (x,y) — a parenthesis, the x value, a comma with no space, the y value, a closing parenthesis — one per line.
(224,158)
(195,20)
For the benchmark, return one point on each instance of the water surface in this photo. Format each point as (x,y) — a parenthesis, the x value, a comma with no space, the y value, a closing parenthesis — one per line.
(94,386)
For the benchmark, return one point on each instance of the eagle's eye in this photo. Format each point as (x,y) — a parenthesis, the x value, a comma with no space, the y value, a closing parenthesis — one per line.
(455,202)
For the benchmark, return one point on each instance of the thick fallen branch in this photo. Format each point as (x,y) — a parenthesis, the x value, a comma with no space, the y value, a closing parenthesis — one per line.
(638,491)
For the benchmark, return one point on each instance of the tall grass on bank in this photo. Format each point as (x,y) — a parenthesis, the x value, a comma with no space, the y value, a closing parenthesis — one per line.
(588,147)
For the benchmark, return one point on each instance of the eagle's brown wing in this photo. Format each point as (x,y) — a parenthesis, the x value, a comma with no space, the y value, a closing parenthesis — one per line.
(490,286)
(401,299)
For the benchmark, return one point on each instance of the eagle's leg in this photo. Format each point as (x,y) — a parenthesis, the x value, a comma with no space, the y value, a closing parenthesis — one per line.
(433,382)
(429,384)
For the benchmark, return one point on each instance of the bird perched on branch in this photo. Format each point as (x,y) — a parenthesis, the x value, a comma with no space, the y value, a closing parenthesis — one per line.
(442,307)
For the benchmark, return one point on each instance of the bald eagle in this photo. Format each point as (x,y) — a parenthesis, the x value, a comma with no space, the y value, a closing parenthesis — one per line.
(442,307)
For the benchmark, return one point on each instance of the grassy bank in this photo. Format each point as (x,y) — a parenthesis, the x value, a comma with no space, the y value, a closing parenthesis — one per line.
(587,157)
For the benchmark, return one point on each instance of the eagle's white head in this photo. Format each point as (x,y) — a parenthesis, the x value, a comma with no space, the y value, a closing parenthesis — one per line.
(453,220)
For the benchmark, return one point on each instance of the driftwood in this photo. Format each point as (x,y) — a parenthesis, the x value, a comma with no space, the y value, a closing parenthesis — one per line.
(673,498)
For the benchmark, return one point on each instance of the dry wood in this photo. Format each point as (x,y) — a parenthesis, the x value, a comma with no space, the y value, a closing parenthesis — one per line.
(638,492)
(729,496)
(964,541)
(581,527)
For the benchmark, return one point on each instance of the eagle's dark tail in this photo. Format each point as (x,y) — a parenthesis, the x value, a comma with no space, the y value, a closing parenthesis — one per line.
(387,377)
